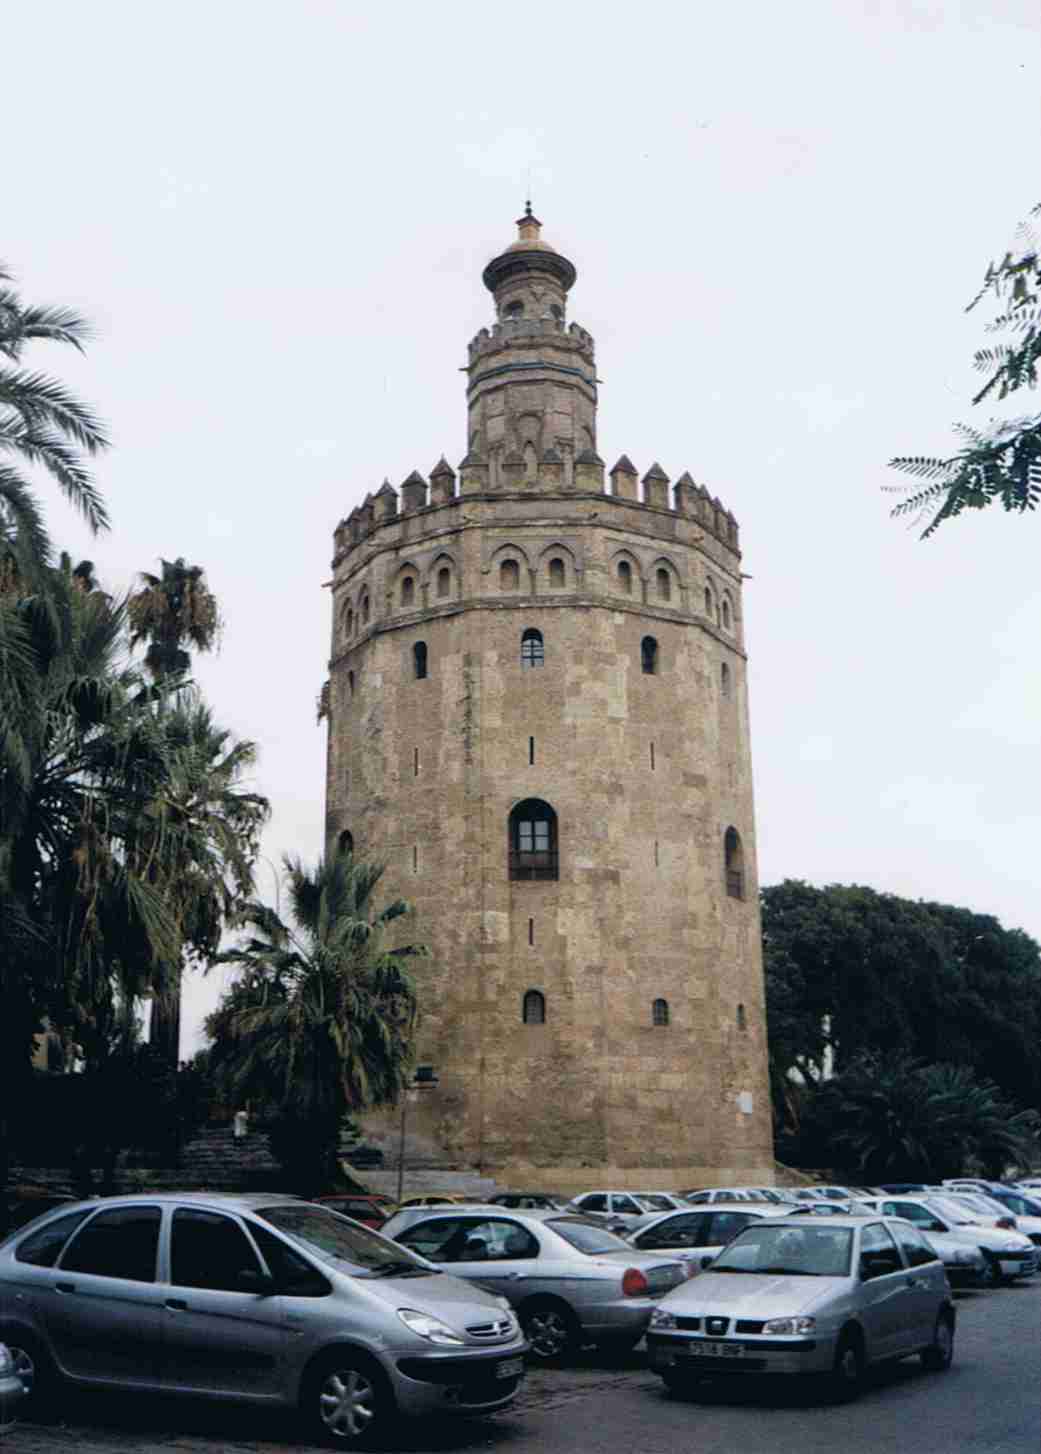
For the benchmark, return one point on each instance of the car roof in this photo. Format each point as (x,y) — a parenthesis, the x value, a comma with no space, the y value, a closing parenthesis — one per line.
(228,1201)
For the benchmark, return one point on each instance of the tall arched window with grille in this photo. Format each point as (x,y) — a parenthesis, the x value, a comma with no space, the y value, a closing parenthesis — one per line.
(649,656)
(660,1012)
(533,841)
(625,577)
(533,1008)
(408,591)
(664,584)
(444,582)
(419,660)
(533,652)
(734,862)
(557,574)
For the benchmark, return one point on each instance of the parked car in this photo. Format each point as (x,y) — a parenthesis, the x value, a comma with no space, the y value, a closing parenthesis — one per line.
(369,1210)
(697,1237)
(830,1209)
(1008,1254)
(622,1207)
(265,1299)
(436,1199)
(982,1209)
(807,1296)
(570,1280)
(1024,1208)
(697,1196)
(537,1201)
(11,1391)
(1029,1183)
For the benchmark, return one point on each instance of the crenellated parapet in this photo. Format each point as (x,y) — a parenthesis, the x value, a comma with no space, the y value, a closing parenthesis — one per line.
(554,477)
(513,331)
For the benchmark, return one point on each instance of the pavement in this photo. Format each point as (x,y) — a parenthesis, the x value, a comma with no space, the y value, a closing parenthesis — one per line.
(989,1403)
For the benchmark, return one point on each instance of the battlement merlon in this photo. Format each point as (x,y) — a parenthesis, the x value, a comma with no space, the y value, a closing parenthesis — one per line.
(551,480)
(516,332)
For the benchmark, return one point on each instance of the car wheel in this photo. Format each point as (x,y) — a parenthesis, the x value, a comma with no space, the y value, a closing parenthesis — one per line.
(992,1276)
(847,1374)
(937,1358)
(551,1329)
(345,1400)
(36,1372)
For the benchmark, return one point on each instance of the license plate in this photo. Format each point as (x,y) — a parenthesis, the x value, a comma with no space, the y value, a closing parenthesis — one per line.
(512,1368)
(705,1349)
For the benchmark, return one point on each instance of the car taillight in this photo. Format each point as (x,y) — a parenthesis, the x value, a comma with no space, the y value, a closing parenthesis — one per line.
(634,1284)
(1008,1223)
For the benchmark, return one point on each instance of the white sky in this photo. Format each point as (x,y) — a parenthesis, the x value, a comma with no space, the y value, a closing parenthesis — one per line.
(277,215)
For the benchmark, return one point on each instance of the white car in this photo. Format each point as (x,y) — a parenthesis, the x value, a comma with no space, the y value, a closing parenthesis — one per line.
(697,1236)
(622,1207)
(700,1195)
(1009,1254)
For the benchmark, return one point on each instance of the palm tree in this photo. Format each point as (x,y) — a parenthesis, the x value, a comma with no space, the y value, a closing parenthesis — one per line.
(321,1023)
(173,608)
(42,425)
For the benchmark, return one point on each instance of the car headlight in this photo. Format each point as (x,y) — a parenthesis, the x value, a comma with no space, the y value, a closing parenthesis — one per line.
(661,1319)
(790,1325)
(428,1327)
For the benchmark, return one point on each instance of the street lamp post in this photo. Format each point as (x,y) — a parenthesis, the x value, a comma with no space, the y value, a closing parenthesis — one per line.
(423,1078)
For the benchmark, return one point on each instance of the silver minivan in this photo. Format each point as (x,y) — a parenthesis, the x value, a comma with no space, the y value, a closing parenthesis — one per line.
(266,1299)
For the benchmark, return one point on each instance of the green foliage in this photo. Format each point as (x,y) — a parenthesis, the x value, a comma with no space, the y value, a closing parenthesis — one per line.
(1002,462)
(892,1118)
(169,610)
(850,971)
(320,1024)
(42,426)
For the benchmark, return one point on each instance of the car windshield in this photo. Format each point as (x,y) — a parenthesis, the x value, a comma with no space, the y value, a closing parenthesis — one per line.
(949,1207)
(793,1251)
(653,1202)
(587,1236)
(978,1203)
(333,1239)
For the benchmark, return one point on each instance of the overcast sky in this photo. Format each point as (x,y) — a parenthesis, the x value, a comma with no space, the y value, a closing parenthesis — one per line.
(276,214)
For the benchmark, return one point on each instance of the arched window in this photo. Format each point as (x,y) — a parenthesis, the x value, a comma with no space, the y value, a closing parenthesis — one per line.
(649,656)
(509,576)
(625,577)
(533,840)
(444,581)
(514,309)
(419,660)
(408,591)
(557,579)
(532,650)
(708,601)
(365,609)
(345,843)
(533,1011)
(664,584)
(726,614)
(557,311)
(742,1019)
(724,679)
(348,622)
(660,1012)
(734,859)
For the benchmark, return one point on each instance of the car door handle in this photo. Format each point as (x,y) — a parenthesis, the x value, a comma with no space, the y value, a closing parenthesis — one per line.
(65,1286)
(176,1305)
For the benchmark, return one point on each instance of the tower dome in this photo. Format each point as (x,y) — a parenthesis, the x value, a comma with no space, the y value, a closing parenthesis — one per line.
(538,720)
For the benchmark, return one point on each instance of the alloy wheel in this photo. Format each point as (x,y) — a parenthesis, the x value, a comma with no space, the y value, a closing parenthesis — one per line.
(24,1366)
(347,1403)
(548,1332)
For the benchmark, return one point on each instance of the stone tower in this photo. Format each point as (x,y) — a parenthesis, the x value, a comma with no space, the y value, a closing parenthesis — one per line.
(538,719)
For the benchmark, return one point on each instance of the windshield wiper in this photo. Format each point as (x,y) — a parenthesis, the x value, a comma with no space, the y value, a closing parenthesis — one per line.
(788,1271)
(399,1268)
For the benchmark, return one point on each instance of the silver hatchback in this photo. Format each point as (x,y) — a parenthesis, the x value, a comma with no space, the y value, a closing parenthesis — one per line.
(266,1299)
(570,1280)
(808,1295)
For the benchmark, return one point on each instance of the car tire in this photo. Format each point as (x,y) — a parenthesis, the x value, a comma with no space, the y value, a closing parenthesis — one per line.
(551,1329)
(847,1374)
(40,1378)
(992,1275)
(938,1357)
(345,1399)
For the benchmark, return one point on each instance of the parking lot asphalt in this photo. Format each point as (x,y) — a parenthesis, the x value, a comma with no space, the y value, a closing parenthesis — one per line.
(989,1403)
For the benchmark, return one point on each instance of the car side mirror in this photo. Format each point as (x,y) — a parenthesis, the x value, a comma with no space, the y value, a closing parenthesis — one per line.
(249,1280)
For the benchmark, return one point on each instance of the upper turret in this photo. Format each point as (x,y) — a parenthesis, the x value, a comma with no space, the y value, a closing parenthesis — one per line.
(532,378)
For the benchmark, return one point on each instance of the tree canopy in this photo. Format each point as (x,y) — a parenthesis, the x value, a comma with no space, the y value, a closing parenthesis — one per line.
(1001,462)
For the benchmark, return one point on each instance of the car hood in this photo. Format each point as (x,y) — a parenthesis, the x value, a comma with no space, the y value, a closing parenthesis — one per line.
(751,1294)
(455,1302)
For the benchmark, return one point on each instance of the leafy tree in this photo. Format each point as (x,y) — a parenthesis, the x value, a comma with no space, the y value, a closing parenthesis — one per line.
(1003,461)
(42,425)
(171,609)
(891,1118)
(851,971)
(321,1022)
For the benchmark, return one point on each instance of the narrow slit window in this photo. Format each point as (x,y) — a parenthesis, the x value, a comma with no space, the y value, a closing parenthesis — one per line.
(419,660)
(531,752)
(726,614)
(734,864)
(415,762)
(652,757)
(345,843)
(742,1018)
(415,858)
(656,858)
(531,931)
(724,679)
(649,656)
(350,682)
(533,651)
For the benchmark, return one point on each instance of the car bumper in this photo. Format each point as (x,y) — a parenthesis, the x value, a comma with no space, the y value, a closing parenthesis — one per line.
(1024,1266)
(680,1353)
(480,1382)
(626,1317)
(11,1395)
